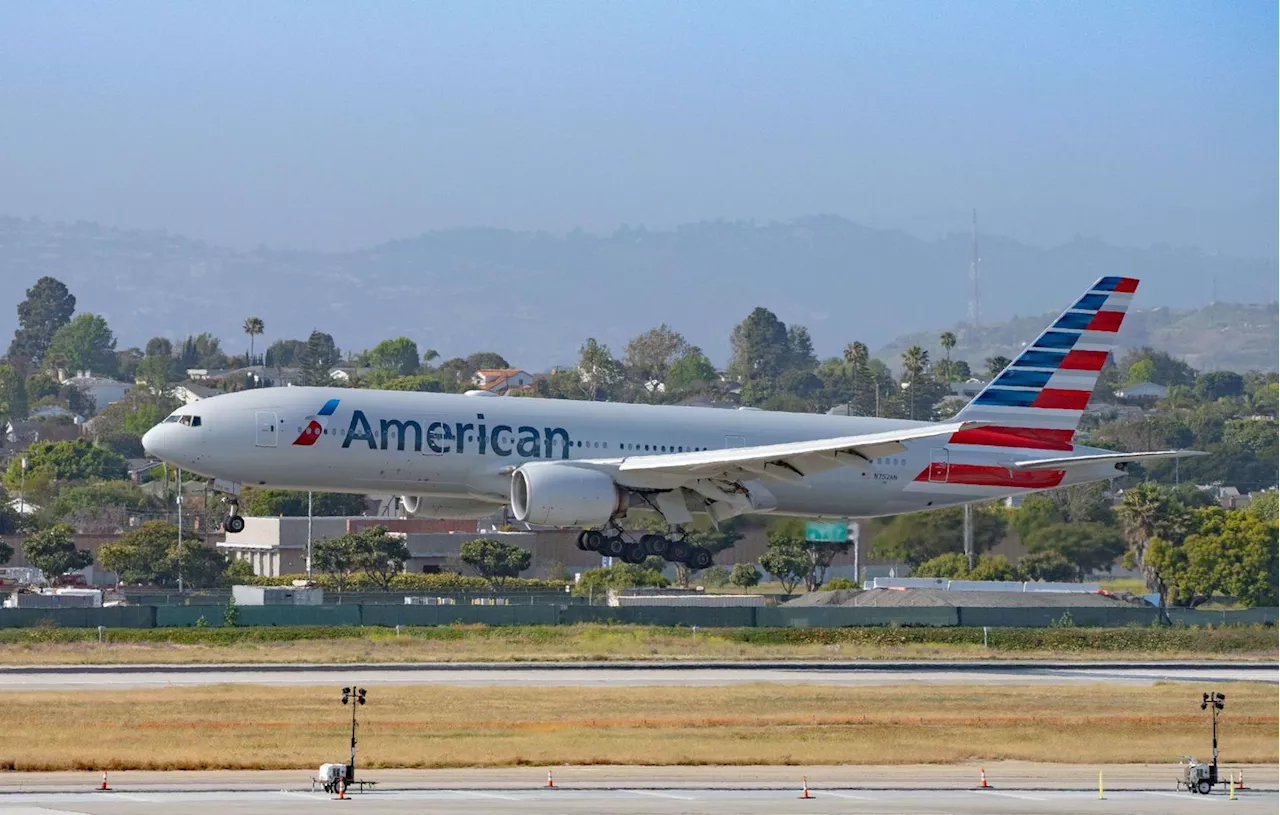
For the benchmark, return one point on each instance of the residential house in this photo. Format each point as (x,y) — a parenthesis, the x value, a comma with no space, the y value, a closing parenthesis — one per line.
(103,390)
(501,380)
(348,373)
(1144,390)
(190,392)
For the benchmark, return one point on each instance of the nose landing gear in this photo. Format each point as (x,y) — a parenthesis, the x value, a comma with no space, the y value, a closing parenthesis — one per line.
(234,523)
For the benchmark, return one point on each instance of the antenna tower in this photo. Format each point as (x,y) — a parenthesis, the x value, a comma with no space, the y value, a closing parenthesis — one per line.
(975,309)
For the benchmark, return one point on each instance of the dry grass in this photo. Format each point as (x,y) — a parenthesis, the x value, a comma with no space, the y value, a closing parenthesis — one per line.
(253,727)
(592,642)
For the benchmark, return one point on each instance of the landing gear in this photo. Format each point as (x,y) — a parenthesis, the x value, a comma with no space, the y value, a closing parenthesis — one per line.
(234,524)
(612,543)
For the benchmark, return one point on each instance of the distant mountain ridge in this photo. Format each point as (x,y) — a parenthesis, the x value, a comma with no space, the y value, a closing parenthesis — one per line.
(534,297)
(1216,337)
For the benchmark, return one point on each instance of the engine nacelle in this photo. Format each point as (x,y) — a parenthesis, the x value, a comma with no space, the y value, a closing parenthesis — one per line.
(550,493)
(427,506)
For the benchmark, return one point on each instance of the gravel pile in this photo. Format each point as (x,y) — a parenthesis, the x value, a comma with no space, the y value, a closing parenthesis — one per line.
(900,598)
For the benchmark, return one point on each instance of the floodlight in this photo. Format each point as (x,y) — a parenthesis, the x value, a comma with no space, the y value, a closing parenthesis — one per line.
(346,691)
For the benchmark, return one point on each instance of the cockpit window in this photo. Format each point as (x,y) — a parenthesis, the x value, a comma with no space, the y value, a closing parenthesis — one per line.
(195,421)
(191,421)
(169,419)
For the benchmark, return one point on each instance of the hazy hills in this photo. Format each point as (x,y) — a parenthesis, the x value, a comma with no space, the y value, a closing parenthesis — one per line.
(1221,336)
(534,296)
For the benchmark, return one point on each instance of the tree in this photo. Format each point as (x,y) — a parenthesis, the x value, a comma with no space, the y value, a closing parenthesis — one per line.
(1148,513)
(495,560)
(690,372)
(598,371)
(6,552)
(955,566)
(1265,506)
(284,353)
(202,351)
(762,350)
(1089,547)
(13,393)
(337,557)
(319,358)
(78,460)
(919,536)
(201,567)
(786,562)
(381,554)
(264,503)
(1047,565)
(483,360)
(1216,385)
(714,541)
(84,344)
(619,576)
(159,347)
(157,374)
(649,356)
(996,365)
(948,341)
(914,361)
(1155,366)
(142,556)
(48,307)
(744,575)
(253,326)
(53,551)
(397,357)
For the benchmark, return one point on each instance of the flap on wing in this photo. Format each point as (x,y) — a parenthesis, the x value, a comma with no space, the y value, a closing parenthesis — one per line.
(1100,458)
(833,451)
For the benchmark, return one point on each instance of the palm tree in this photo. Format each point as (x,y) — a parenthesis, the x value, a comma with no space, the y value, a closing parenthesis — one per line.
(948,341)
(1149,512)
(995,365)
(856,355)
(253,326)
(428,356)
(914,360)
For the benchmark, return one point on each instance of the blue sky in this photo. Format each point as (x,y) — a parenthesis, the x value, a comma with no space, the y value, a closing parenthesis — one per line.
(330,125)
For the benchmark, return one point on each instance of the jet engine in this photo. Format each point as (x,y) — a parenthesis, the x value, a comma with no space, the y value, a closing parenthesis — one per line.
(554,494)
(430,506)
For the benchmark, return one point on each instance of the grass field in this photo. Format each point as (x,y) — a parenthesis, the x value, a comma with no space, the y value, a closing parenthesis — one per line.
(457,643)
(255,727)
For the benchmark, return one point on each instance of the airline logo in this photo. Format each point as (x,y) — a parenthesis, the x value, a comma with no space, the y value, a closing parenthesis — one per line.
(316,424)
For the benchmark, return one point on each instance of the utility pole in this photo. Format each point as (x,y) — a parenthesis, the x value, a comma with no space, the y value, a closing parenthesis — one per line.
(22,490)
(968,535)
(309,537)
(179,531)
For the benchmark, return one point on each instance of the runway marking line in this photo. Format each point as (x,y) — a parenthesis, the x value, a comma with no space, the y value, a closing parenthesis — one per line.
(657,794)
(842,795)
(1007,795)
(479,794)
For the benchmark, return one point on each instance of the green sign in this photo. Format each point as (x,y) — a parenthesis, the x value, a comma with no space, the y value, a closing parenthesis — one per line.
(826,531)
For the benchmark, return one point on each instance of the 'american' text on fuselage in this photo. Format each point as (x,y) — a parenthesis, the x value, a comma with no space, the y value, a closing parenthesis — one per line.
(452,437)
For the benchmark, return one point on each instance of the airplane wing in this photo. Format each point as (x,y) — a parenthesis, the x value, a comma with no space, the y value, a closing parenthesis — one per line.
(1100,458)
(790,461)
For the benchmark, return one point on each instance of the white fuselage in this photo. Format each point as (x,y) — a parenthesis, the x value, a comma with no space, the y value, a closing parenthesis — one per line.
(462,448)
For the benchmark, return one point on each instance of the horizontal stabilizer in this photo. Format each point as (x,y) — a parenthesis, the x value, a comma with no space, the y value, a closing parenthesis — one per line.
(1100,458)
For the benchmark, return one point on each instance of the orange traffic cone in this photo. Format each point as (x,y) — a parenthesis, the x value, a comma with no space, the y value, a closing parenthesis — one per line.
(983,785)
(1240,783)
(804,791)
(104,786)
(550,781)
(342,789)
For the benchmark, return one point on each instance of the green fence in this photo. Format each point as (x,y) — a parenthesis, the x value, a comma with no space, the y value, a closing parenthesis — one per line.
(566,614)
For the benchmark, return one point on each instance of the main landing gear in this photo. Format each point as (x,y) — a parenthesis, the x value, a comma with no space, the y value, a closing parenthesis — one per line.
(612,543)
(234,523)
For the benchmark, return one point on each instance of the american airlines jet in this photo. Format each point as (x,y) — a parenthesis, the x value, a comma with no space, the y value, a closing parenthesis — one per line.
(569,464)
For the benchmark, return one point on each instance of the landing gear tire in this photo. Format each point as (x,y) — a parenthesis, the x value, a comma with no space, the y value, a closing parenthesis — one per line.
(634,554)
(592,540)
(582,538)
(654,545)
(678,551)
(700,558)
(613,547)
(234,524)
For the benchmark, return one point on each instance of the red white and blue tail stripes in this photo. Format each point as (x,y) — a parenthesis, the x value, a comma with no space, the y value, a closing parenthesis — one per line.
(1036,402)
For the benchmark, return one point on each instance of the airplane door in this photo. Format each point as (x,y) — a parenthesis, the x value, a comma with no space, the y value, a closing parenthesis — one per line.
(735,441)
(267,428)
(939,464)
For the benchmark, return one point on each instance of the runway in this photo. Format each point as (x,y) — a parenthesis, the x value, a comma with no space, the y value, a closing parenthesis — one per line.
(1018,788)
(612,674)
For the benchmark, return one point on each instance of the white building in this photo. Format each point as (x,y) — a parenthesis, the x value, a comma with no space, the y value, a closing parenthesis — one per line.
(501,380)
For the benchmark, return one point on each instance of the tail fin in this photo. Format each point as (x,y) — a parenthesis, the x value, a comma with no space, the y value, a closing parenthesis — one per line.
(1037,401)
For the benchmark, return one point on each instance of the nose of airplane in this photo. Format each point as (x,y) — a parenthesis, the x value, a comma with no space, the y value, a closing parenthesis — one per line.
(151,442)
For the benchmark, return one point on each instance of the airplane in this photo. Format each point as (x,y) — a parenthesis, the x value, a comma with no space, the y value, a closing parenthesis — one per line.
(570,464)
